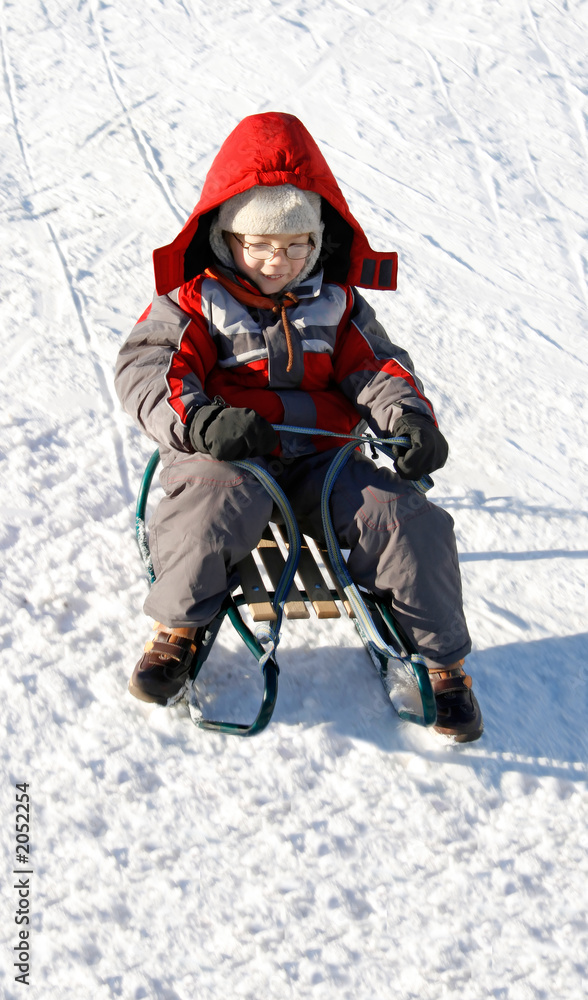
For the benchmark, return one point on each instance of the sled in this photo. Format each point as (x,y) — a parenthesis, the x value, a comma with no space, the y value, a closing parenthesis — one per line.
(399,666)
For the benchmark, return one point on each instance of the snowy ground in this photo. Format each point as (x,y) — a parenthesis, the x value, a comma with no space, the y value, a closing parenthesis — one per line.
(342,853)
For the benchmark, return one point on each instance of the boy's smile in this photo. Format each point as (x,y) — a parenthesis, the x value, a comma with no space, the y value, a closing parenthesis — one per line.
(272,275)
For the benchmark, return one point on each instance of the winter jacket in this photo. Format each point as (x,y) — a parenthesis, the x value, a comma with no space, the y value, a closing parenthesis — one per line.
(204,335)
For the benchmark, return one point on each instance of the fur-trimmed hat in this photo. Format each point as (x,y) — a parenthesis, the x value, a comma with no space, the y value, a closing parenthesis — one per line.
(264,210)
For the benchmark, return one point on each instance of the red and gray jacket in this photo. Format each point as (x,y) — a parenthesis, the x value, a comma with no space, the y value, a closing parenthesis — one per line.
(323,362)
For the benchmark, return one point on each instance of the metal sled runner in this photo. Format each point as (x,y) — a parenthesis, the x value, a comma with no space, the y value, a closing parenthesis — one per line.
(401,669)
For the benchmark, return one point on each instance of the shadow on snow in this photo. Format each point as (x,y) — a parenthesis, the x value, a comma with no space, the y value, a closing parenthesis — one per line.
(534,698)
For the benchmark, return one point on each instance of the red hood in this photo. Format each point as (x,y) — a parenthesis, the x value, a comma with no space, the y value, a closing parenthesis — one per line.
(275,149)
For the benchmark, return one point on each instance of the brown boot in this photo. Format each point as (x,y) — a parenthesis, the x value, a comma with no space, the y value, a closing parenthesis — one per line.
(458,712)
(161,674)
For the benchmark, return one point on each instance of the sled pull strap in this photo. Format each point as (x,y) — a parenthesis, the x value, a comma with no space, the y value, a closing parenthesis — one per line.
(422,485)
(268,633)
(364,621)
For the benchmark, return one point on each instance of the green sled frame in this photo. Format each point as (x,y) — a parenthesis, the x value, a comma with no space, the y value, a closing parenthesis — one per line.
(383,619)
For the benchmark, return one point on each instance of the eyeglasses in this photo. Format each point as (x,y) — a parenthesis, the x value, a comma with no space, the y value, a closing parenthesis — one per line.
(265,251)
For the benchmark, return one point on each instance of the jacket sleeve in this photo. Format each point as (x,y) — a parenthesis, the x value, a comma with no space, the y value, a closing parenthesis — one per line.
(375,374)
(161,370)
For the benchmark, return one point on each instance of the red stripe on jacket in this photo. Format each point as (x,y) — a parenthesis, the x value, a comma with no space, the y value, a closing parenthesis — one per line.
(353,354)
(196,353)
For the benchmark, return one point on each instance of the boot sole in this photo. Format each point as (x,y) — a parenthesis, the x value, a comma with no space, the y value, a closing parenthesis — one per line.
(153,699)
(458,737)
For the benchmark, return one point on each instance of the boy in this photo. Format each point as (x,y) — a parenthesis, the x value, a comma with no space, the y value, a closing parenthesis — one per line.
(256,321)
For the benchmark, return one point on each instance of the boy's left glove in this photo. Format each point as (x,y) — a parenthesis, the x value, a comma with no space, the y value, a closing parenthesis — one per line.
(428,448)
(230,433)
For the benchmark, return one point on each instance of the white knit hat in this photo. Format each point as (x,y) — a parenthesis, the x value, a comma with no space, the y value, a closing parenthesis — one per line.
(264,210)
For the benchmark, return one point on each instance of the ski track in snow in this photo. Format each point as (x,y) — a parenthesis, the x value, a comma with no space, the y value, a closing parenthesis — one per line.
(341,853)
(110,402)
(151,166)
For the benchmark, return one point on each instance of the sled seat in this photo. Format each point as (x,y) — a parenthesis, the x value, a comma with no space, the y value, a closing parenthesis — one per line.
(319,593)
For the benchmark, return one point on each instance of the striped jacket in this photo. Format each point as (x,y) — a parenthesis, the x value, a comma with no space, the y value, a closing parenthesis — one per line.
(199,342)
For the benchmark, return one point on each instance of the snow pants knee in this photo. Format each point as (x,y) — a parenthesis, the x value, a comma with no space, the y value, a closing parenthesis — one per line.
(401,546)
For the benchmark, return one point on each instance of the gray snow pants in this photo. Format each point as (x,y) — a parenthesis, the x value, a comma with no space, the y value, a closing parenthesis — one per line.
(402,547)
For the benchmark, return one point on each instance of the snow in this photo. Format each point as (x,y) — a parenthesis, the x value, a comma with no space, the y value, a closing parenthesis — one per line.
(342,852)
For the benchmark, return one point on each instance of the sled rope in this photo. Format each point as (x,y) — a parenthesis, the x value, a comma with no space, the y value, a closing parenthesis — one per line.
(335,555)
(422,485)
(415,664)
(266,633)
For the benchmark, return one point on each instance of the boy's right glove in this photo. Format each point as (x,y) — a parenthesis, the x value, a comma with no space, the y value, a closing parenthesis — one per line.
(230,433)
(428,448)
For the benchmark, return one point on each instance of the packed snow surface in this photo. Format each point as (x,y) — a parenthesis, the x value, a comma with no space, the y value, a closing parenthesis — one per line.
(342,853)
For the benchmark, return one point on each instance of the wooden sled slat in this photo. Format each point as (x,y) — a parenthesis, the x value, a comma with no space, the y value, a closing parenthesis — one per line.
(336,584)
(314,583)
(273,561)
(254,591)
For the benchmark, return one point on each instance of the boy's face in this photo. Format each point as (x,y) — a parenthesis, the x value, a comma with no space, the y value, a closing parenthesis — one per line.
(270,276)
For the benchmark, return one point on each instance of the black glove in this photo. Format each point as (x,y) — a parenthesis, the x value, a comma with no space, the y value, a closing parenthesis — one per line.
(230,433)
(428,448)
